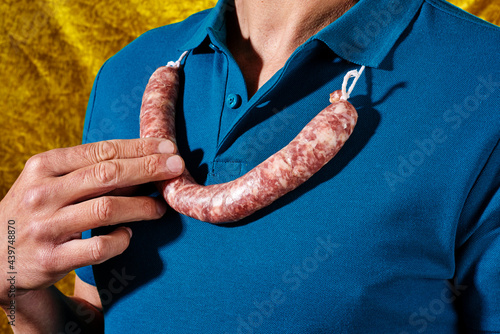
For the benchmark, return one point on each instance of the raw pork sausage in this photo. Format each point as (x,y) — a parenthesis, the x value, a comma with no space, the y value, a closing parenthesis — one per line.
(284,171)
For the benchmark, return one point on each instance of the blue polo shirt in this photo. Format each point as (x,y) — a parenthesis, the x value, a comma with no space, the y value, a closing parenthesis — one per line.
(399,233)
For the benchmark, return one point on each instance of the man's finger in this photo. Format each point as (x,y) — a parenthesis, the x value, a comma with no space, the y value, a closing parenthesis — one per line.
(79,253)
(106,176)
(65,160)
(108,210)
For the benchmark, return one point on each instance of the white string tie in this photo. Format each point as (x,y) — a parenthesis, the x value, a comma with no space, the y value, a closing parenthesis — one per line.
(351,74)
(178,62)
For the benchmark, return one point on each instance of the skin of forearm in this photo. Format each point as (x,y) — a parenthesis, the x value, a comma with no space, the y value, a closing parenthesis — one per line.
(50,311)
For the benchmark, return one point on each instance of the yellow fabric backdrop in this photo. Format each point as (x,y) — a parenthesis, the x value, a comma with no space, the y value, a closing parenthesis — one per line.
(50,53)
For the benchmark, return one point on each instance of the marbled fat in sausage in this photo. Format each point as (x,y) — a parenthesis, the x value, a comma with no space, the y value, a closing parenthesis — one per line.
(157,118)
(317,143)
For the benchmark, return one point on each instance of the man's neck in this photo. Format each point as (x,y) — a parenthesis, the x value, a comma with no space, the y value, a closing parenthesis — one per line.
(262,34)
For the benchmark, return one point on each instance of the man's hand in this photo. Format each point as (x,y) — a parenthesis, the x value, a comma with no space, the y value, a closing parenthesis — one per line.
(63,192)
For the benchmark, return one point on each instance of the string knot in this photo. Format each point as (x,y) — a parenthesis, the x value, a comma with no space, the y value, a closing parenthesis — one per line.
(178,62)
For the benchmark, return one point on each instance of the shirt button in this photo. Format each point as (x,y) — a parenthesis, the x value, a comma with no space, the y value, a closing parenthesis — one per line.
(233,101)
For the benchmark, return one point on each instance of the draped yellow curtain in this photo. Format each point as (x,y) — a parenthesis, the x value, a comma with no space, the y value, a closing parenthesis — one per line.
(50,53)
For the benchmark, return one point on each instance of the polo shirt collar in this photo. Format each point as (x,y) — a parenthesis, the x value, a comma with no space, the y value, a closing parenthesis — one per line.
(364,35)
(213,22)
(367,32)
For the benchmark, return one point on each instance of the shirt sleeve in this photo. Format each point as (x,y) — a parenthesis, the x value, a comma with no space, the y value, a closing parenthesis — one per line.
(477,276)
(85,273)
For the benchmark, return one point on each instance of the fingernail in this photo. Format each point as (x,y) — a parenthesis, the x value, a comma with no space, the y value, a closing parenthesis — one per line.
(166,146)
(161,207)
(174,163)
(129,231)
